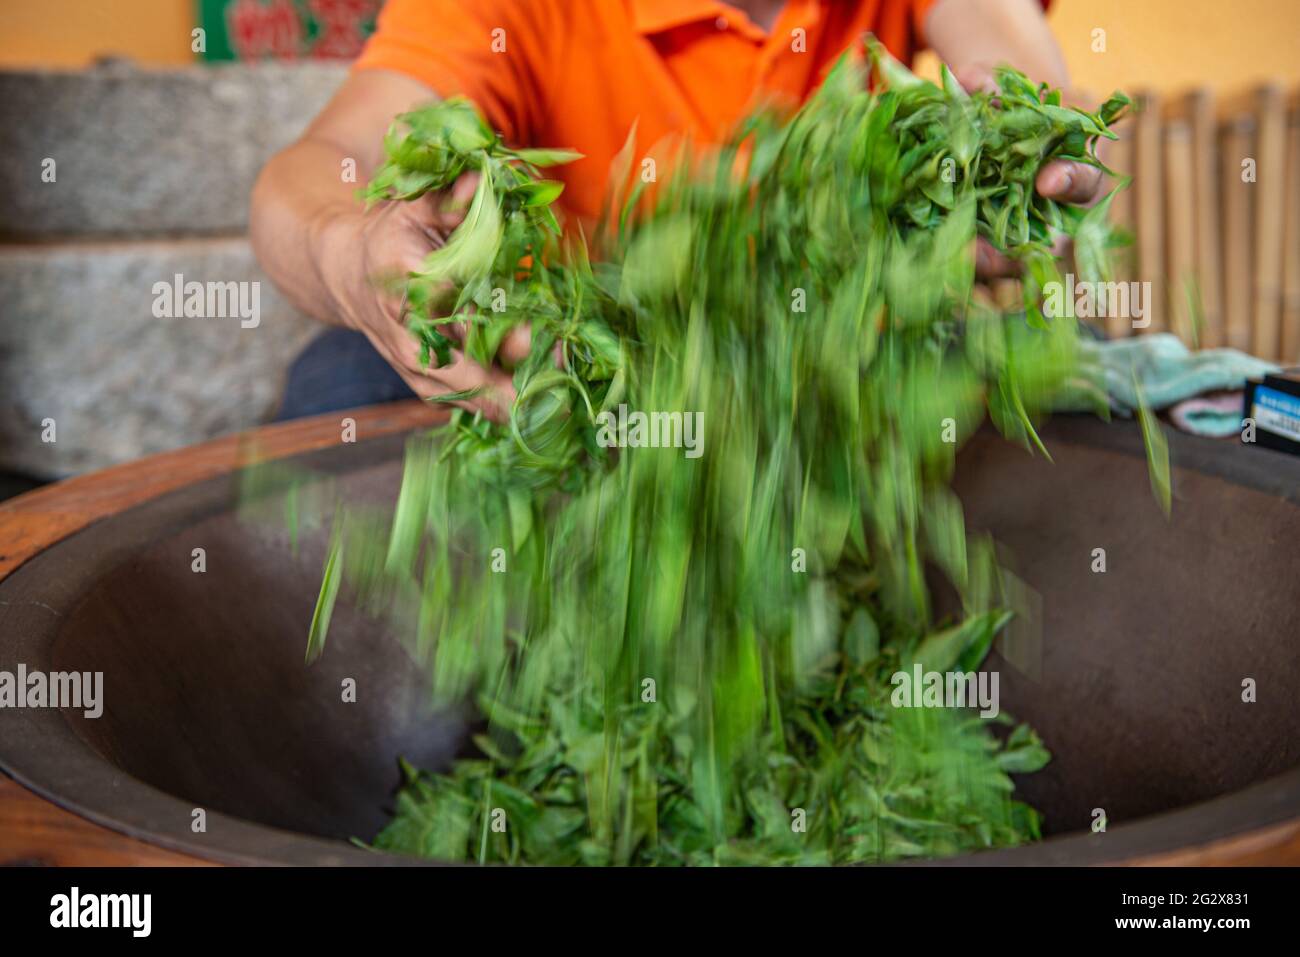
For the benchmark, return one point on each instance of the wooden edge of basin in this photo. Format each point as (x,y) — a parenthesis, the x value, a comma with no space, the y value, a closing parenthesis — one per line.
(34,521)
(36,831)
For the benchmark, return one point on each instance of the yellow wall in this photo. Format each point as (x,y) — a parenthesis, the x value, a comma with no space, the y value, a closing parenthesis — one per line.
(1171,45)
(1175,44)
(1164,44)
(71,33)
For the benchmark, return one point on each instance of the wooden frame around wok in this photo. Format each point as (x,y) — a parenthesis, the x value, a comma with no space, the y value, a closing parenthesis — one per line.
(36,831)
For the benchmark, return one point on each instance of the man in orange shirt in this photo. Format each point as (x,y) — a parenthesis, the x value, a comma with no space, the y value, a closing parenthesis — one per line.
(576,74)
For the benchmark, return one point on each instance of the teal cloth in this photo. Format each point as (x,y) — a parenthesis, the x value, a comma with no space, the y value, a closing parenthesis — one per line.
(1166,372)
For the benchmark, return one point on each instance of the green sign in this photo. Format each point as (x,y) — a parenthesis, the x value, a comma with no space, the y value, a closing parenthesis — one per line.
(285,29)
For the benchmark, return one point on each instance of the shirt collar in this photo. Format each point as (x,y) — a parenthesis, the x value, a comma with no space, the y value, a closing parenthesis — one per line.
(658,16)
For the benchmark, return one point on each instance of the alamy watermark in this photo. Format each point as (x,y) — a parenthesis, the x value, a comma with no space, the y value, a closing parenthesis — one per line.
(133,912)
(651,430)
(56,689)
(1098,300)
(179,299)
(946,689)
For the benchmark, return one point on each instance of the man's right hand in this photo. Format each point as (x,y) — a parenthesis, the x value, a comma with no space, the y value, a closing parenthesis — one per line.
(331,257)
(366,257)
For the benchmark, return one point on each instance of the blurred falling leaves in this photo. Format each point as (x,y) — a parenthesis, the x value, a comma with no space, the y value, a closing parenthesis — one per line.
(688,661)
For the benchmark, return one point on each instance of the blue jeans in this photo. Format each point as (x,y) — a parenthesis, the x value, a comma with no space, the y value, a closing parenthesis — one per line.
(339,369)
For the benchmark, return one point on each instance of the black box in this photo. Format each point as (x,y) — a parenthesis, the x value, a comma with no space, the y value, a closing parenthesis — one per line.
(1274,405)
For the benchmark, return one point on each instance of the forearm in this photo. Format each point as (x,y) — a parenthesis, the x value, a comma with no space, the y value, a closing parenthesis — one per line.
(305,213)
(298,200)
(972,34)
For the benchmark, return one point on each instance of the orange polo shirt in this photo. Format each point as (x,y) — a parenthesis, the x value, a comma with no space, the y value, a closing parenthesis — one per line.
(579,73)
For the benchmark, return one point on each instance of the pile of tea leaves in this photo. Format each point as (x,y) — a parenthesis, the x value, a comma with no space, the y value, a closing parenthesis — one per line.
(687,659)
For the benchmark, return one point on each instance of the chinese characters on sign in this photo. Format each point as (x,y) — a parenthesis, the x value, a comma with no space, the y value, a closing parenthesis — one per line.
(286,29)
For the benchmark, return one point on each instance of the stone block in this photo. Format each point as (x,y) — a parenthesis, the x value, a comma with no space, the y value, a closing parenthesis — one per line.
(147,151)
(81,345)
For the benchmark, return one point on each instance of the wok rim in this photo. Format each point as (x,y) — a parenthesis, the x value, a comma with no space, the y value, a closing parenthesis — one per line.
(41,750)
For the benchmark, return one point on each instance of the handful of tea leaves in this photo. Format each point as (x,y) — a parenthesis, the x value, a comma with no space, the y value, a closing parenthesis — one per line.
(693,660)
